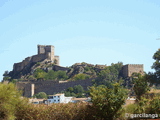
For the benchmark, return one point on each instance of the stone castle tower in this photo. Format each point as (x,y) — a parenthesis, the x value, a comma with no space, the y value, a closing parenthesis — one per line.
(129,69)
(48,50)
(45,52)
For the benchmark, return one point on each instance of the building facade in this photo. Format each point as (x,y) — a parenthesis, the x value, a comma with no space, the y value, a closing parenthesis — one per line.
(58,98)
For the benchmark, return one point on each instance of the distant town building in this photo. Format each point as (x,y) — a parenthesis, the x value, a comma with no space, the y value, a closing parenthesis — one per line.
(58,98)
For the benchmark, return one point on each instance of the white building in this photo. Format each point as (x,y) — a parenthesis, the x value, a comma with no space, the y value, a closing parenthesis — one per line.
(58,98)
(75,100)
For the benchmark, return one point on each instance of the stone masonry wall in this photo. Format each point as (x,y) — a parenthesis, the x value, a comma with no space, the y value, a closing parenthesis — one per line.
(25,88)
(51,87)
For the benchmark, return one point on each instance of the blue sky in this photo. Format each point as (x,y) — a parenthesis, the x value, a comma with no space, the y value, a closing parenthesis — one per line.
(92,31)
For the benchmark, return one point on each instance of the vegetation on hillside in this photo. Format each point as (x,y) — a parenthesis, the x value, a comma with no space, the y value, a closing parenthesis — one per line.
(50,75)
(81,71)
(109,75)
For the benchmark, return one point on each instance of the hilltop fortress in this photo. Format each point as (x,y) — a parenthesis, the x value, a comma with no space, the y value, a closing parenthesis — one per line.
(45,53)
(46,57)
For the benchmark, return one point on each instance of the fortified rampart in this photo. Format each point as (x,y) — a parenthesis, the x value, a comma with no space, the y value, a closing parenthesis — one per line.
(50,87)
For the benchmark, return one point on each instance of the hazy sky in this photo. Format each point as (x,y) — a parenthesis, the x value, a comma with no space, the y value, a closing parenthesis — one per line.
(92,31)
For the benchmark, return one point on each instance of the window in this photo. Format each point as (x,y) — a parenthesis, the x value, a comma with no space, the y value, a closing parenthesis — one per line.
(50,97)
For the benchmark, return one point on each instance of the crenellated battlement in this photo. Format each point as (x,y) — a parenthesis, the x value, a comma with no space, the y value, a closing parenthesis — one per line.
(137,65)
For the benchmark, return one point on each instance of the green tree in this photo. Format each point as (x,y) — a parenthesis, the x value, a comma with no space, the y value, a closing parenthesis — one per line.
(109,75)
(70,89)
(56,75)
(51,75)
(80,76)
(141,86)
(107,102)
(61,75)
(67,94)
(40,95)
(39,74)
(156,66)
(78,89)
(6,76)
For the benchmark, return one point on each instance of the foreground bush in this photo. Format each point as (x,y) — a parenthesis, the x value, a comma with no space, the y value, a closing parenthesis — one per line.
(9,101)
(70,111)
(107,102)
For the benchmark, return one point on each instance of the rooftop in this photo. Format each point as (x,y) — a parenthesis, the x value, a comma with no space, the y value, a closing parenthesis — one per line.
(57,94)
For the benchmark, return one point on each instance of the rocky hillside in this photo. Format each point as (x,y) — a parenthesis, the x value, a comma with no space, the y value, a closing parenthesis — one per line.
(46,70)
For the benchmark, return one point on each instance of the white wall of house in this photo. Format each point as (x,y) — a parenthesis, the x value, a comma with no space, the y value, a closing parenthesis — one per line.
(67,99)
(58,98)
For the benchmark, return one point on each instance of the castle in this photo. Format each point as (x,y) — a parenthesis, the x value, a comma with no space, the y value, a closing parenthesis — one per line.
(32,87)
(45,53)
(129,69)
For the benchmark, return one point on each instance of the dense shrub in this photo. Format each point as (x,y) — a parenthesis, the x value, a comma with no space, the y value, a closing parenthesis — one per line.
(76,91)
(40,95)
(70,111)
(9,101)
(107,102)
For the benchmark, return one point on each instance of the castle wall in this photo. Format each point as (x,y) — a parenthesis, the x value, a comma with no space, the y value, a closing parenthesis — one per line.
(19,66)
(38,58)
(125,71)
(57,59)
(50,87)
(41,49)
(129,69)
(56,68)
(25,88)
